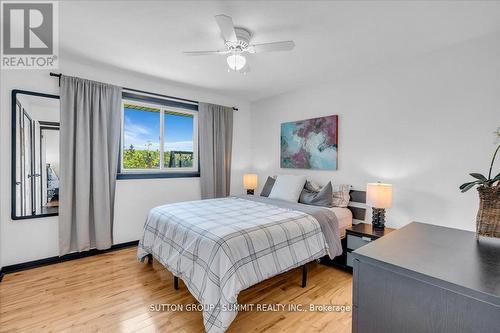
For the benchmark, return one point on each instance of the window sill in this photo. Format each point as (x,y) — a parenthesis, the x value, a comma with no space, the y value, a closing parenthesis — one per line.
(156,175)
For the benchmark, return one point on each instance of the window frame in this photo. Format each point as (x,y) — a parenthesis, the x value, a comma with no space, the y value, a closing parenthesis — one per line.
(165,106)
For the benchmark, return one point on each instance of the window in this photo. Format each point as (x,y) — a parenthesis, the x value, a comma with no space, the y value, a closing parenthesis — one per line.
(158,139)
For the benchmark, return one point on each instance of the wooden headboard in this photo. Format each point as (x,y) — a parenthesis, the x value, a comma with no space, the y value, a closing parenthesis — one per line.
(358,213)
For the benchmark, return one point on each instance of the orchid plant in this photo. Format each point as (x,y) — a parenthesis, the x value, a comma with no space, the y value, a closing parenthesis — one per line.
(482,180)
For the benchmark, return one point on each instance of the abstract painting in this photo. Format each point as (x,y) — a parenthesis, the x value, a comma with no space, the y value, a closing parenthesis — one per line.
(310,143)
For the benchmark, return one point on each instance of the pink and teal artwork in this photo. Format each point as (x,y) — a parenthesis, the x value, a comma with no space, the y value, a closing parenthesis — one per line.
(310,143)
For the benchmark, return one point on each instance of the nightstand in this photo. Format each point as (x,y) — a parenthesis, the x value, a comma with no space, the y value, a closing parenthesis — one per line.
(359,235)
(356,236)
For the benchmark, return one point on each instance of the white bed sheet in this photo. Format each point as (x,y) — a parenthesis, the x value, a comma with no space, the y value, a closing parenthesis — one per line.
(344,217)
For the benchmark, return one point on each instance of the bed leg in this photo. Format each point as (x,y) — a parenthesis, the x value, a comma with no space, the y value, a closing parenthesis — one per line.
(304,275)
(176,283)
(150,259)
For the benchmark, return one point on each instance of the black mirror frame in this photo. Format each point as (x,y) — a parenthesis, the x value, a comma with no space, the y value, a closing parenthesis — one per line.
(13,154)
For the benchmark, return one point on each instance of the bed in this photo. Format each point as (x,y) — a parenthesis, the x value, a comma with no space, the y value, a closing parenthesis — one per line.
(220,247)
(344,218)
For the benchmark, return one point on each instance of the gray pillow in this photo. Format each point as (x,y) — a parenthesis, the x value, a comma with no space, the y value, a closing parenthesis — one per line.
(322,198)
(312,186)
(268,186)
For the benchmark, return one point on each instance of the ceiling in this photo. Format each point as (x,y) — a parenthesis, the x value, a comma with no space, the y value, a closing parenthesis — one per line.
(332,38)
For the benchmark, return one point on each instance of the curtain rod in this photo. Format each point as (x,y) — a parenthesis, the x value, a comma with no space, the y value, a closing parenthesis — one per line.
(58,75)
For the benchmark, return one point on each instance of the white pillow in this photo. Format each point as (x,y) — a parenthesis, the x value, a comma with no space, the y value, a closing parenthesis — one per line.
(287,187)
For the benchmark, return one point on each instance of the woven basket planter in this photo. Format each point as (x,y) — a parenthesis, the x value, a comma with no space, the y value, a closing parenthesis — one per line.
(488,216)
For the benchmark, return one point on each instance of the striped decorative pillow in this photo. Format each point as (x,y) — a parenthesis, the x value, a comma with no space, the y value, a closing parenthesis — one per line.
(341,195)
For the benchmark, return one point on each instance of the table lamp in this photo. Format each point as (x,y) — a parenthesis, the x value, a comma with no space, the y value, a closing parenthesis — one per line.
(250,182)
(379,197)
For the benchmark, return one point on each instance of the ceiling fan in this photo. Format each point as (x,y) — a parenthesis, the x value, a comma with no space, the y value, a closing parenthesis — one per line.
(237,42)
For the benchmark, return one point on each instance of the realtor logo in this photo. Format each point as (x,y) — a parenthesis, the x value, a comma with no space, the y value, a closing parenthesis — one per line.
(29,35)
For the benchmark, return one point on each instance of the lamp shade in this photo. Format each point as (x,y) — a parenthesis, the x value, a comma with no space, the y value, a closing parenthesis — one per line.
(236,62)
(379,195)
(250,181)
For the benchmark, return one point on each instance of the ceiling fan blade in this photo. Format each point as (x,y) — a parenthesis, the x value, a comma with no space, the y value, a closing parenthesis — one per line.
(196,53)
(226,27)
(271,47)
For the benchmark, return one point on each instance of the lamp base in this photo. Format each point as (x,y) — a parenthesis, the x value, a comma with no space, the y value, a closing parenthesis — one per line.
(378,218)
(250,192)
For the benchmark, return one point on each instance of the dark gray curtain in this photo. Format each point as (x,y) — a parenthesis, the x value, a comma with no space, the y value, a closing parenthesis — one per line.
(216,140)
(89,151)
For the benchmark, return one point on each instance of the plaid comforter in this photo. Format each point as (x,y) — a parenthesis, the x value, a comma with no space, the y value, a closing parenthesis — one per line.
(219,247)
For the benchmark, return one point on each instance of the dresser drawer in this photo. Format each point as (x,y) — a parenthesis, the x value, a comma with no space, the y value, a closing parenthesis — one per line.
(349,259)
(354,242)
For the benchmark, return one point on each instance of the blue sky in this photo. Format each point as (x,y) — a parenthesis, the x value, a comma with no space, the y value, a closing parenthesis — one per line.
(141,127)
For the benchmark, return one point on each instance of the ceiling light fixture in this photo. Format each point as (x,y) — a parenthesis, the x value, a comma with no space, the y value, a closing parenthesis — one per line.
(236,62)
(237,42)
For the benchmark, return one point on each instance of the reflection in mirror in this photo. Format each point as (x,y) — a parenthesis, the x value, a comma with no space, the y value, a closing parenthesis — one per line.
(36,161)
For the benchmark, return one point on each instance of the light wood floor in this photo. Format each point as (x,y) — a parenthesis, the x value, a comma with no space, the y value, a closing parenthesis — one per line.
(112,292)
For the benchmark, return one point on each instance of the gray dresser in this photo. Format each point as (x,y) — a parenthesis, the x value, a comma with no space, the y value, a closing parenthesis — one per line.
(426,278)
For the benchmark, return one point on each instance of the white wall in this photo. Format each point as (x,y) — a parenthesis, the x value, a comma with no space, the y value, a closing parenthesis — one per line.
(33,239)
(422,124)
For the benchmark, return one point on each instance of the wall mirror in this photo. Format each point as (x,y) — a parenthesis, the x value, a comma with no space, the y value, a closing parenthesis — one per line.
(35,155)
